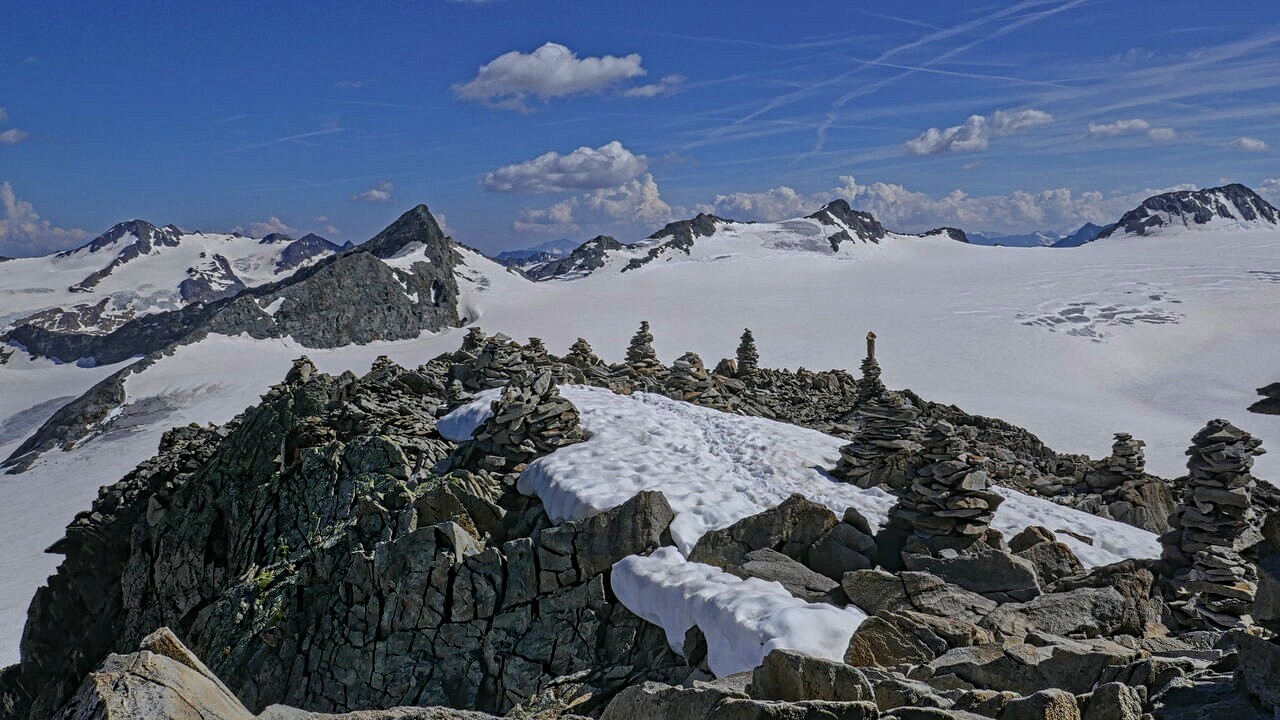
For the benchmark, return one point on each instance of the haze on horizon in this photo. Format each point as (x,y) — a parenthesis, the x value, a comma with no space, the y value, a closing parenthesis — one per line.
(517,125)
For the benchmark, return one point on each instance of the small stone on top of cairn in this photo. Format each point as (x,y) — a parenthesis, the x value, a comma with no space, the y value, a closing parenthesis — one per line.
(1214,524)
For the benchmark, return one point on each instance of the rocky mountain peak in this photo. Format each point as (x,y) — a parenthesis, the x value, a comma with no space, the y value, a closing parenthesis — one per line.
(273,238)
(1229,203)
(587,257)
(848,223)
(417,225)
(147,235)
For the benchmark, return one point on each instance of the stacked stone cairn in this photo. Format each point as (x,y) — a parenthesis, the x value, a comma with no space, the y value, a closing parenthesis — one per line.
(748,355)
(499,360)
(642,360)
(1214,524)
(583,356)
(530,419)
(690,381)
(885,435)
(949,502)
(1126,463)
(536,350)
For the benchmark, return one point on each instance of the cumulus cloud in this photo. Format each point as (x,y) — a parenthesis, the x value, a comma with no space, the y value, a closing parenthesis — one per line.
(379,193)
(976,132)
(635,202)
(12,136)
(551,71)
(1271,189)
(901,208)
(1131,126)
(23,232)
(272,224)
(1249,144)
(609,165)
(668,85)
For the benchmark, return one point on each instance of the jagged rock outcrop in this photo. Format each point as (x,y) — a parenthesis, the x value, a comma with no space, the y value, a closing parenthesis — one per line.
(847,224)
(676,236)
(311,554)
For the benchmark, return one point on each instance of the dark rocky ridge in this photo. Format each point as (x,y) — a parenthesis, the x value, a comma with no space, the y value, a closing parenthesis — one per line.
(1270,402)
(838,213)
(682,234)
(346,298)
(1187,207)
(585,258)
(147,237)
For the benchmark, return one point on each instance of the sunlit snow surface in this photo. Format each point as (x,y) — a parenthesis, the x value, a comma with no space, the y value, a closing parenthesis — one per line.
(716,468)
(742,620)
(957,324)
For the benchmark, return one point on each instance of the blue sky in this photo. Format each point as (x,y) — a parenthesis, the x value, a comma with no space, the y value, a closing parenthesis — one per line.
(334,117)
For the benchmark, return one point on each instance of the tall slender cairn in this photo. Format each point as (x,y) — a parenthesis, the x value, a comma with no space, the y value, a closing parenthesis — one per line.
(1214,524)
(642,360)
(885,441)
(748,355)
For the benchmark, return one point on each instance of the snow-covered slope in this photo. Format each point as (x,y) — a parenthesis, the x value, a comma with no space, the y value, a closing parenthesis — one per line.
(137,269)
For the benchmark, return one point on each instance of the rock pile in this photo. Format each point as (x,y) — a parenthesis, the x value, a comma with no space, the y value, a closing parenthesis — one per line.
(1212,527)
(748,356)
(529,420)
(499,360)
(1127,461)
(582,356)
(690,381)
(949,502)
(887,430)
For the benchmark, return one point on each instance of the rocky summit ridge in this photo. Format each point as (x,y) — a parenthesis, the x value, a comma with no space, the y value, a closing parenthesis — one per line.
(330,551)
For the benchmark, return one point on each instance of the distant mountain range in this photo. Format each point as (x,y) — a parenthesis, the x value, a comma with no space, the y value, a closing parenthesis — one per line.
(1042,238)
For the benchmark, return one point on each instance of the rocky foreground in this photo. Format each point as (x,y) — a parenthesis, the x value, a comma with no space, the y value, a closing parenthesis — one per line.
(331,550)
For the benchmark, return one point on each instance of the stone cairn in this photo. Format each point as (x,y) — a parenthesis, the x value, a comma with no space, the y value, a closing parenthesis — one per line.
(582,356)
(536,350)
(530,419)
(949,502)
(748,355)
(887,430)
(499,360)
(1126,463)
(642,360)
(690,381)
(1212,527)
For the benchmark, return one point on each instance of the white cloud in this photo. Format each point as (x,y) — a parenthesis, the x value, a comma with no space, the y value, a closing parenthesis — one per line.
(668,85)
(976,132)
(900,208)
(272,224)
(1131,126)
(379,193)
(12,136)
(551,71)
(22,232)
(637,202)
(1271,189)
(1249,144)
(586,168)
